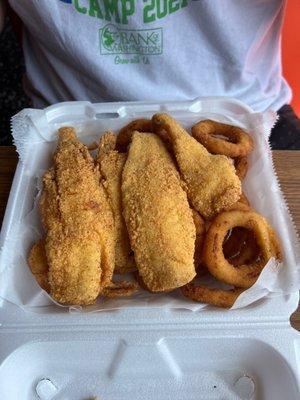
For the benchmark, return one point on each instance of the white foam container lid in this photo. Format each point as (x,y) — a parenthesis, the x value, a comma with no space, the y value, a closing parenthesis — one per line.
(144,353)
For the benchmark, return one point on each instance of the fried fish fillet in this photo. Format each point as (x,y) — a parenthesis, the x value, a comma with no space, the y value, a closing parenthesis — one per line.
(80,232)
(157,215)
(212,184)
(111,164)
(38,264)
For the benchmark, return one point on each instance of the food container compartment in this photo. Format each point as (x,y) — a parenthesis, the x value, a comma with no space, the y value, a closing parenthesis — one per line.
(35,136)
(135,352)
(146,364)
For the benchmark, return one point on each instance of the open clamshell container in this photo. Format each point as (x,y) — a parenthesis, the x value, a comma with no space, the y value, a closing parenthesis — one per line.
(144,351)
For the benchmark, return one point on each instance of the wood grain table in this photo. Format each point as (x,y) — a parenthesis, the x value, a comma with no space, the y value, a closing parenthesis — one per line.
(287,165)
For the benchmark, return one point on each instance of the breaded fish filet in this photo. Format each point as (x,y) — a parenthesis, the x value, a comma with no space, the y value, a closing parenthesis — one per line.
(212,184)
(111,164)
(158,216)
(80,236)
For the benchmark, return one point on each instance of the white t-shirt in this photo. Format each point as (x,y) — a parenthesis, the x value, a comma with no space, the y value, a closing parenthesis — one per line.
(109,50)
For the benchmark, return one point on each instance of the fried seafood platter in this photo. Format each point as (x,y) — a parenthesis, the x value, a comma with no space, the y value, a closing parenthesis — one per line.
(156,209)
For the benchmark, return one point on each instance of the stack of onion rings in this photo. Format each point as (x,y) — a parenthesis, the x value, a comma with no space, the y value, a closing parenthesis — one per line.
(244,275)
(236,258)
(239,248)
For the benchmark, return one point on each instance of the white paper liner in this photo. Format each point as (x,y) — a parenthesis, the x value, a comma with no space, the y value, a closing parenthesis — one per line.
(260,186)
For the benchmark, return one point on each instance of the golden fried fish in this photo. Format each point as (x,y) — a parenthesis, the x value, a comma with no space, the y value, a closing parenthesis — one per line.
(111,164)
(80,232)
(212,184)
(157,214)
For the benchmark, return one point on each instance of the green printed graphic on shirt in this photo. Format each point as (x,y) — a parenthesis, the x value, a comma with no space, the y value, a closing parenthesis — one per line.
(120,11)
(158,9)
(114,40)
(129,46)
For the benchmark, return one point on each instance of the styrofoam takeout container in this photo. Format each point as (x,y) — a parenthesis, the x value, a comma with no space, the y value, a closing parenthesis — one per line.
(139,353)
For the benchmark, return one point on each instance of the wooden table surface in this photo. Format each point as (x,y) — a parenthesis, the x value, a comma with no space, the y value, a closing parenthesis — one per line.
(287,165)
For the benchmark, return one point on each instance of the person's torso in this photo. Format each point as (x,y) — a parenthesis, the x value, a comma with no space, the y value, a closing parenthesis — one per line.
(106,50)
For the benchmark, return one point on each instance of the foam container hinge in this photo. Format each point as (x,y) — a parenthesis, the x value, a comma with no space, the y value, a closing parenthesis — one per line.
(142,353)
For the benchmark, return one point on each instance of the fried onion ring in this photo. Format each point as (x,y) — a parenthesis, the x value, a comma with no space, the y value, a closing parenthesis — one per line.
(240,143)
(216,297)
(244,275)
(125,134)
(241,166)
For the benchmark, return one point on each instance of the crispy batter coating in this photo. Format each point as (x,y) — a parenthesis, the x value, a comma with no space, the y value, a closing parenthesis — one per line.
(80,235)
(157,215)
(211,181)
(37,261)
(111,164)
